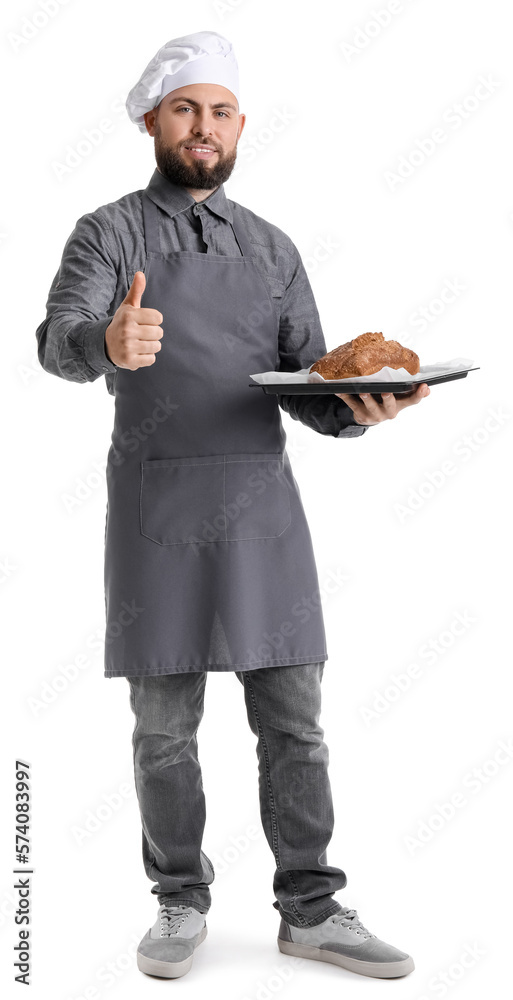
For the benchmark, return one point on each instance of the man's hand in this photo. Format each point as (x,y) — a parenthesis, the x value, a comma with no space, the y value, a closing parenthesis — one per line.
(133,337)
(367,411)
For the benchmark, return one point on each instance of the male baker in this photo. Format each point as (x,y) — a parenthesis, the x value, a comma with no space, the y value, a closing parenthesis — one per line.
(177,294)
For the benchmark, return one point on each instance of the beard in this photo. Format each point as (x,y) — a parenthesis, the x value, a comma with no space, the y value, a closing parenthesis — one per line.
(199,175)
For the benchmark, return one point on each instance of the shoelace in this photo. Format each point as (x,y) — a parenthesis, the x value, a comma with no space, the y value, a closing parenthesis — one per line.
(172,918)
(350,918)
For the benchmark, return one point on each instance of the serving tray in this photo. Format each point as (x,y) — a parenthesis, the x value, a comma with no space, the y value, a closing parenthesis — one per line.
(404,388)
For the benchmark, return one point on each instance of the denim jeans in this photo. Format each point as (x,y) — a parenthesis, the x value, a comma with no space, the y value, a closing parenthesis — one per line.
(283,707)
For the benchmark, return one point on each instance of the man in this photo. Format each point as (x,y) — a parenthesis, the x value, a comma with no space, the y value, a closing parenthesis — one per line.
(208,557)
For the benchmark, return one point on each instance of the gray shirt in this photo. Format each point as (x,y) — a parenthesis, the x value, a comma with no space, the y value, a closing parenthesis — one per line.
(107,247)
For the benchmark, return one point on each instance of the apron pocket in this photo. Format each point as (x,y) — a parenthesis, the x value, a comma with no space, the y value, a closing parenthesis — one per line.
(256,496)
(180,497)
(213,498)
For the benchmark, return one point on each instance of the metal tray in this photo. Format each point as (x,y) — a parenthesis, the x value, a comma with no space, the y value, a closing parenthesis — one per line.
(354,388)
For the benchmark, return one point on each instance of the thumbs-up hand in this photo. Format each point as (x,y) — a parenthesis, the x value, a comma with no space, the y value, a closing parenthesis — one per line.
(134,295)
(133,337)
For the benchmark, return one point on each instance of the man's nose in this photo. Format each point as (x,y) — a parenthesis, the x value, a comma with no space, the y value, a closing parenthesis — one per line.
(202,124)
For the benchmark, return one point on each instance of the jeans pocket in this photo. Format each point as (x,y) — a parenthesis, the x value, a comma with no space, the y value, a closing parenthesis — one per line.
(213,498)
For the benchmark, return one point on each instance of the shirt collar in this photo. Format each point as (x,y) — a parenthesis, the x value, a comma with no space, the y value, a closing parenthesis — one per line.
(173,198)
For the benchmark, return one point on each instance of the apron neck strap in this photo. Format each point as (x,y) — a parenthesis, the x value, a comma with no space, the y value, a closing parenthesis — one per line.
(151,225)
(152,232)
(243,241)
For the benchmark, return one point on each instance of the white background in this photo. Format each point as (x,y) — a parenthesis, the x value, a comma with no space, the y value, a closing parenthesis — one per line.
(416,552)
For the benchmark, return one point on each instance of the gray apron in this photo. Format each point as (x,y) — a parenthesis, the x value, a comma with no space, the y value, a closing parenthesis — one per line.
(209,562)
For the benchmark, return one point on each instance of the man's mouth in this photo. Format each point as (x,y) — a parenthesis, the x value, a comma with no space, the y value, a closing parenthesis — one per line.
(201,152)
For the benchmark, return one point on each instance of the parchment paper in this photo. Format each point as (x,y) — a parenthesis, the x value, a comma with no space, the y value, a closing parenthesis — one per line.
(385,375)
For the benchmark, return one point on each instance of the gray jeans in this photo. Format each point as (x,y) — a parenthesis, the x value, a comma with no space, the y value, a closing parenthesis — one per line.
(283,707)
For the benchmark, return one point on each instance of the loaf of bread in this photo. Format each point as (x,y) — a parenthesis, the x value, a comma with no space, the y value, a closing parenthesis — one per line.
(366,355)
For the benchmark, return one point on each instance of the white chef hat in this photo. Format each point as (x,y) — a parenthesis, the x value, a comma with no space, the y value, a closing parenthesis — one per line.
(203,57)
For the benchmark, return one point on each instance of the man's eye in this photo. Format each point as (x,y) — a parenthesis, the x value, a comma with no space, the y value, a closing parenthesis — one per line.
(188,108)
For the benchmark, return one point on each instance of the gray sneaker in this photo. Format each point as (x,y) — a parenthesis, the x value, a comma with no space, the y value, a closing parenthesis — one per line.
(343,940)
(167,948)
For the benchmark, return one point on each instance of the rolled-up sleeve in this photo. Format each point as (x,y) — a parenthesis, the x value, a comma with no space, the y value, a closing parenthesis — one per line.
(71,340)
(301,342)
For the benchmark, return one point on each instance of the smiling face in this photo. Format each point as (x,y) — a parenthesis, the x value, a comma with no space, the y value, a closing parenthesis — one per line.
(196,130)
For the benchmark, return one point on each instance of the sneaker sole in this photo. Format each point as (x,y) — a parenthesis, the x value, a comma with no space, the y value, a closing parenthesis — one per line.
(168,970)
(381,970)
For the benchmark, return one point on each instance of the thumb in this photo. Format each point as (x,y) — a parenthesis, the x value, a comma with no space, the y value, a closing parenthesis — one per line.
(134,294)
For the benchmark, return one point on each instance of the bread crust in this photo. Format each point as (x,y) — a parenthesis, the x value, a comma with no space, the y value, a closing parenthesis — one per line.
(366,355)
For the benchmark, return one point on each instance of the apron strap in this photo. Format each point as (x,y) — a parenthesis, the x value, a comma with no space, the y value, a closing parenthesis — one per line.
(242,240)
(152,233)
(151,224)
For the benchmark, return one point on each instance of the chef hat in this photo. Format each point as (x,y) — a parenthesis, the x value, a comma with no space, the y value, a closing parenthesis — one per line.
(203,57)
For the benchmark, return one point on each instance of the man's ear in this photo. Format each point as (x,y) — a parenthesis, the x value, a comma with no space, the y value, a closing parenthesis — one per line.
(150,117)
(242,122)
